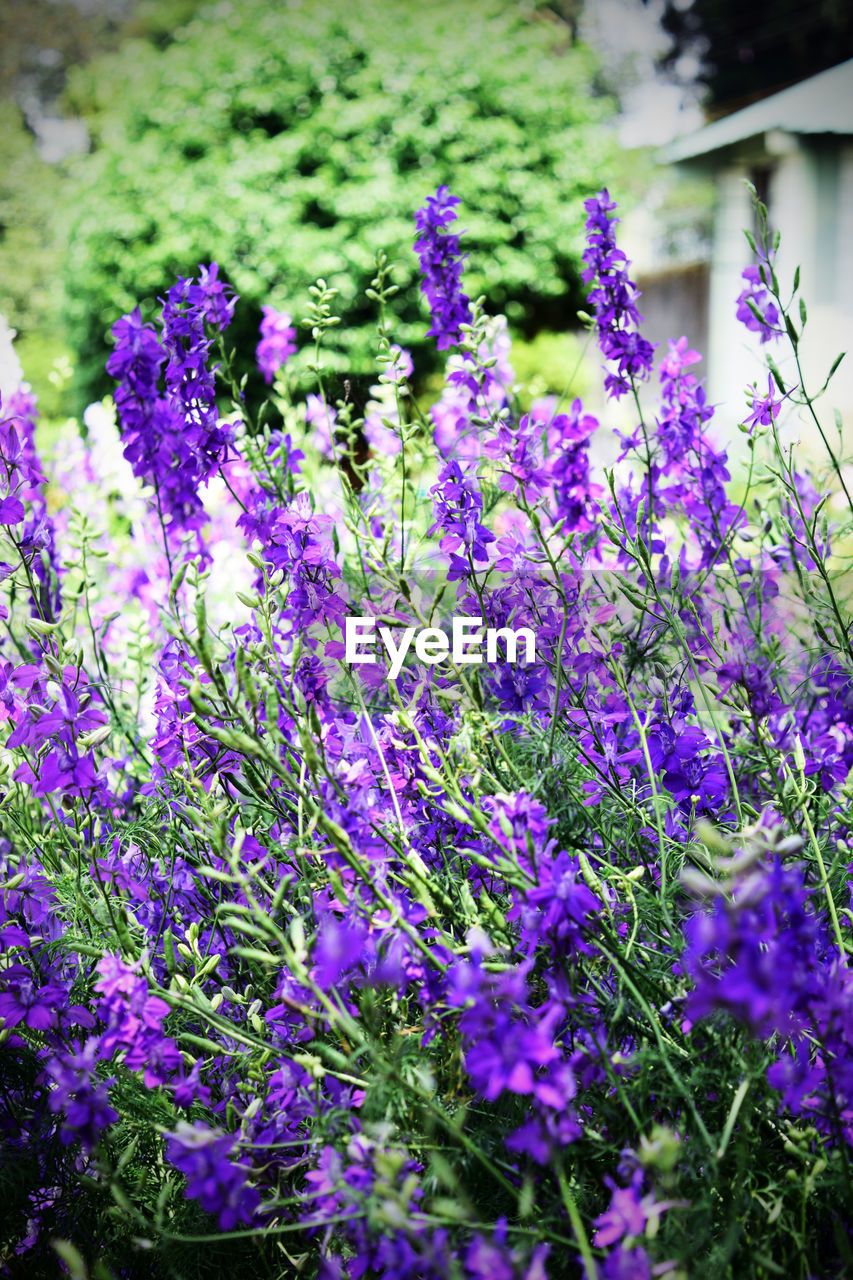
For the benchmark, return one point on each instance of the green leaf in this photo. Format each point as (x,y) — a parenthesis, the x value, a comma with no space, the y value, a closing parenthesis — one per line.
(72,1258)
(777,377)
(836,362)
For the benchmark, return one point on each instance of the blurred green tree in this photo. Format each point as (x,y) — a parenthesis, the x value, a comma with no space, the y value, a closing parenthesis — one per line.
(40,40)
(30,249)
(292,141)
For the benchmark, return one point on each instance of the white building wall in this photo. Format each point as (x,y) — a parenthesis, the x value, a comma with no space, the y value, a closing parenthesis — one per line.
(845,235)
(813,207)
(815,218)
(829,330)
(794,211)
(732,350)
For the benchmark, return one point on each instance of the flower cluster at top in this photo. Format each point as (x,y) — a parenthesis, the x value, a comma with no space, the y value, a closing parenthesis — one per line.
(174,438)
(502,970)
(614,297)
(755,307)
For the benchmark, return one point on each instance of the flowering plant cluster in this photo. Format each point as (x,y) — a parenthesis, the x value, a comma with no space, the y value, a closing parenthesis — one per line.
(511,969)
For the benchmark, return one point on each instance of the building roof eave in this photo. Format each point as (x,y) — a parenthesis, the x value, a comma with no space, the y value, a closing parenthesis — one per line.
(811,107)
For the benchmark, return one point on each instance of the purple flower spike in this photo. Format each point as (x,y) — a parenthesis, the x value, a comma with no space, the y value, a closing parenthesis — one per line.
(767,323)
(441,264)
(173,440)
(614,297)
(277,344)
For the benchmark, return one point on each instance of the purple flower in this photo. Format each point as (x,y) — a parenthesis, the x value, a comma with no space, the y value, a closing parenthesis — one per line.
(558,908)
(458,505)
(173,439)
(755,680)
(680,752)
(441,265)
(277,344)
(765,409)
(189,1089)
(188,307)
(337,949)
(678,358)
(627,1264)
(568,445)
(514,817)
(12,510)
(614,297)
(756,298)
(627,1214)
(519,688)
(82,1098)
(134,1022)
(516,451)
(756,953)
(508,1059)
(23,1001)
(23,502)
(219,1183)
(509,1048)
(492,1259)
(323,419)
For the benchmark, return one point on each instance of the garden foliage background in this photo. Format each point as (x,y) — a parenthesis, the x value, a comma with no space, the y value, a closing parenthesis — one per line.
(532,969)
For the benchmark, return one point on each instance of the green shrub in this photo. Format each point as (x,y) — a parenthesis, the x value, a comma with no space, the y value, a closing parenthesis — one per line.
(270,138)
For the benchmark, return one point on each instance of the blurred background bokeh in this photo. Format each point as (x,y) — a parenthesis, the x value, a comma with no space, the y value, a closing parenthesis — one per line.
(294,140)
